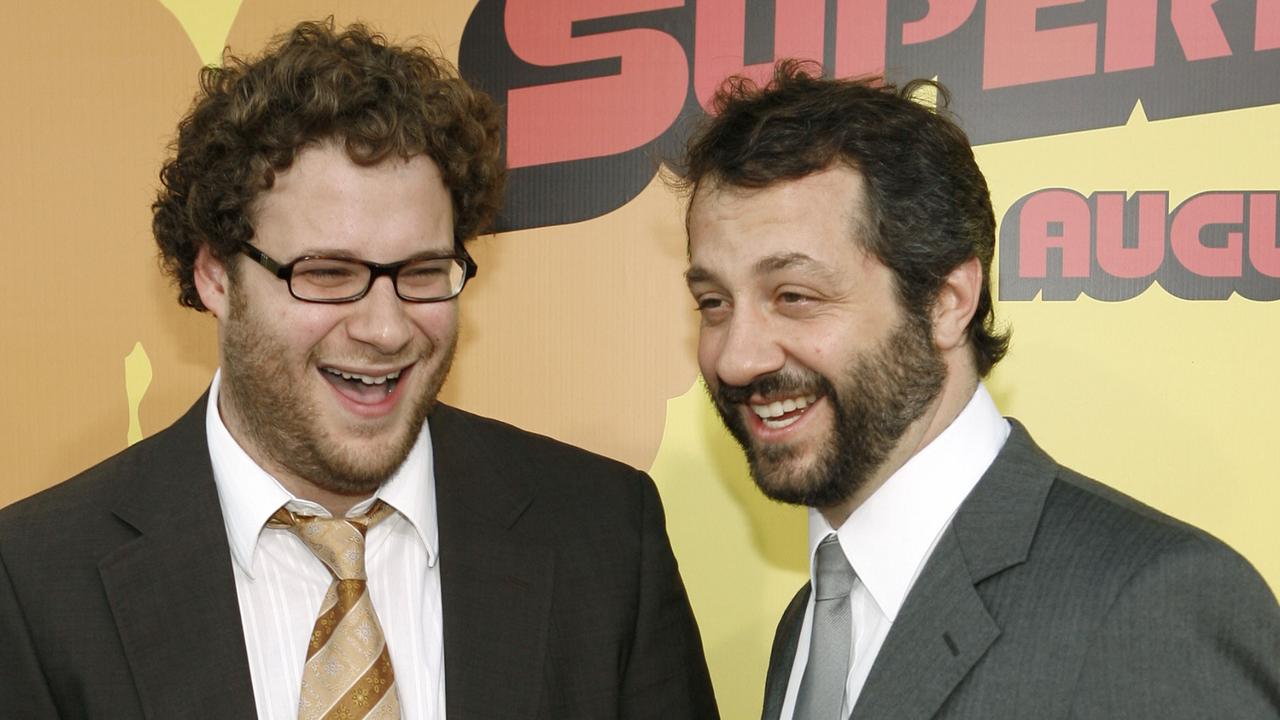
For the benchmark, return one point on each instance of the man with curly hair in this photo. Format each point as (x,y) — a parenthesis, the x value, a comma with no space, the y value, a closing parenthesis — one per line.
(840,241)
(317,537)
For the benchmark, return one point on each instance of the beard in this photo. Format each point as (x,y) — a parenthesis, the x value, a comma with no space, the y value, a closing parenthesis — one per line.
(282,420)
(879,396)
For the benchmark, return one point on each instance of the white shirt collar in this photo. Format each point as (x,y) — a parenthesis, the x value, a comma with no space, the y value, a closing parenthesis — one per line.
(890,536)
(249,495)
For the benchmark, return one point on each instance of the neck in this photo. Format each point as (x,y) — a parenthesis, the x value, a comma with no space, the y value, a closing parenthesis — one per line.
(338,504)
(956,392)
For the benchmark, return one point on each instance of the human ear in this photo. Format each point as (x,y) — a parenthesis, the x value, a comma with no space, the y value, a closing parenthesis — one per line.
(210,275)
(956,303)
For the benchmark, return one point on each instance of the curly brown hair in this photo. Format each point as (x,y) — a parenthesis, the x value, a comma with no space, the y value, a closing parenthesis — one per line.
(251,118)
(928,207)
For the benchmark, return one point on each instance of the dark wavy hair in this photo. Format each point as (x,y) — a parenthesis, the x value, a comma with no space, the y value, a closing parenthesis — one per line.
(251,118)
(927,207)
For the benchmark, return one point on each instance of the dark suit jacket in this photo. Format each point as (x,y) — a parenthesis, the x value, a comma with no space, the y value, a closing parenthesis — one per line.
(1051,596)
(560,592)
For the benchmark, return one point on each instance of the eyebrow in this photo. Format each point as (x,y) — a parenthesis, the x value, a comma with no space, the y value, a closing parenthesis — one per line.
(768,264)
(343,254)
(696,274)
(786,261)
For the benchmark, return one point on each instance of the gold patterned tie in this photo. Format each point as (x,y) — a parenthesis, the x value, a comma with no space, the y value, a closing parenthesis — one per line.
(348,674)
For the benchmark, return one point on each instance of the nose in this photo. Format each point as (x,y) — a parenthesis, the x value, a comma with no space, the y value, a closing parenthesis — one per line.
(742,349)
(380,320)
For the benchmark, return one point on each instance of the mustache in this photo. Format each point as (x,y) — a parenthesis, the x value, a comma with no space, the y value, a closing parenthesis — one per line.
(782,382)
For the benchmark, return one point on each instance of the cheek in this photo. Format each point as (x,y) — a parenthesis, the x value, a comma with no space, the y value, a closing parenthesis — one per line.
(438,321)
(305,327)
(709,347)
(820,349)
(825,341)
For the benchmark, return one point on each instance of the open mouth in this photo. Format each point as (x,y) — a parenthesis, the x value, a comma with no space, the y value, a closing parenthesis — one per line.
(363,388)
(782,413)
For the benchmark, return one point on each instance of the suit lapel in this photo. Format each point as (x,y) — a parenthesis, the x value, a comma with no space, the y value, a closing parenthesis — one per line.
(172,590)
(496,590)
(783,656)
(944,627)
(940,633)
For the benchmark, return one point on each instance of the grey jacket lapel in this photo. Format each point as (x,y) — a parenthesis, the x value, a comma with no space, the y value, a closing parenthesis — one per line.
(496,590)
(944,627)
(940,633)
(783,656)
(171,589)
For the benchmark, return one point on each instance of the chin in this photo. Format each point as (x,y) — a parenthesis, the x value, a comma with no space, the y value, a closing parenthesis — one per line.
(812,478)
(359,473)
(785,483)
(357,458)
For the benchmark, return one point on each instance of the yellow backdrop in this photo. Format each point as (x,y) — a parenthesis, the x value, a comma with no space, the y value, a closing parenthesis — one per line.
(1166,399)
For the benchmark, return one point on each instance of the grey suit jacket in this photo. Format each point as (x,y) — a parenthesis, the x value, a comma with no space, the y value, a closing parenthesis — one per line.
(1052,596)
(561,596)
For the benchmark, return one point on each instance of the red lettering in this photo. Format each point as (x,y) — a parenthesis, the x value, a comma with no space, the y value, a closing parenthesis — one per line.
(1198,29)
(1069,213)
(597,116)
(1130,38)
(719,34)
(862,29)
(1196,252)
(1266,33)
(1017,54)
(1192,218)
(1130,262)
(1263,252)
(943,18)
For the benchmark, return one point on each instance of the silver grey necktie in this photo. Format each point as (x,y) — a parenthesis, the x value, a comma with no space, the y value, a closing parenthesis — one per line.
(822,687)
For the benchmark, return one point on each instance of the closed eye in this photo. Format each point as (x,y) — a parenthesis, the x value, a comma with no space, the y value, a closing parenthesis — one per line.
(713,308)
(796,304)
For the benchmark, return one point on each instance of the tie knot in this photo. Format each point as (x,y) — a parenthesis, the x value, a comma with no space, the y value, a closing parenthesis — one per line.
(338,542)
(833,575)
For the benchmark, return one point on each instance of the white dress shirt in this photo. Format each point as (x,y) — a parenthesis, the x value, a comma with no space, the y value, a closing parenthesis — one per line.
(889,537)
(281,584)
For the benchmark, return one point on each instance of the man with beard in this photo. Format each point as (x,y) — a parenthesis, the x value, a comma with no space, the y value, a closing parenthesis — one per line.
(840,242)
(316,204)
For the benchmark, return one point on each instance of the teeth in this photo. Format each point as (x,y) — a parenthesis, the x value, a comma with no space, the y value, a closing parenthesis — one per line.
(366,379)
(778,408)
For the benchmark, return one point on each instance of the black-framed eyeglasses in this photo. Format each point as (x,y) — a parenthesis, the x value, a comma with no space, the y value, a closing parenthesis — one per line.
(339,280)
